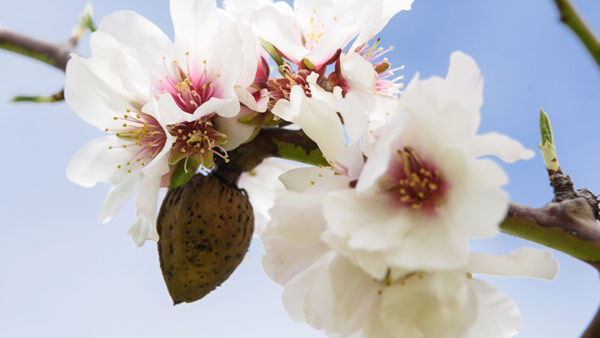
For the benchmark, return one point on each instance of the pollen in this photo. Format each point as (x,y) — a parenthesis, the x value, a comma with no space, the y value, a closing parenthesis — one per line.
(412,181)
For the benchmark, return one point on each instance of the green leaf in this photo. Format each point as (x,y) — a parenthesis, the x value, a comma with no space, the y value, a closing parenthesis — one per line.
(547,145)
(294,152)
(86,20)
(272,51)
(545,128)
(184,172)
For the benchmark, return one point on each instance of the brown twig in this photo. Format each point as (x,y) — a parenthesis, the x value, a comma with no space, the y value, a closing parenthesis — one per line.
(568,226)
(270,142)
(55,54)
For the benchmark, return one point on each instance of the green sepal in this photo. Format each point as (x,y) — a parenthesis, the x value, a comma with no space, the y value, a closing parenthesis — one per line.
(184,172)
(308,64)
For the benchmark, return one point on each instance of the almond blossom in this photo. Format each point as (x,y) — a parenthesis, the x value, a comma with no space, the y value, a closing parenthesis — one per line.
(327,290)
(355,242)
(312,32)
(423,190)
(161,101)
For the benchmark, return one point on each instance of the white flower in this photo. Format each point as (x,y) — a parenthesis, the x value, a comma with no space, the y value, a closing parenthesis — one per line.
(328,291)
(134,156)
(262,183)
(161,101)
(317,30)
(423,190)
(315,111)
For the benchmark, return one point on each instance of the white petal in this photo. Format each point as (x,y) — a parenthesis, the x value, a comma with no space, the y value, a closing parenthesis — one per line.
(237,133)
(228,107)
(433,305)
(95,162)
(118,195)
(262,184)
(274,24)
(296,290)
(301,179)
(285,259)
(523,262)
(379,159)
(245,7)
(297,216)
(146,198)
(141,230)
(248,99)
(119,69)
(90,97)
(502,146)
(168,111)
(317,117)
(139,37)
(359,72)
(477,204)
(497,317)
(251,55)
(464,76)
(353,109)
(196,18)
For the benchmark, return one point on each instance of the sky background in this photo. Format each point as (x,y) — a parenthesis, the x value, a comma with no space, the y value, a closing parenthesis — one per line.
(62,274)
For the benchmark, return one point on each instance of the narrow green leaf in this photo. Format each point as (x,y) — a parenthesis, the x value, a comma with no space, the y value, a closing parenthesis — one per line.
(184,172)
(270,49)
(547,145)
(545,128)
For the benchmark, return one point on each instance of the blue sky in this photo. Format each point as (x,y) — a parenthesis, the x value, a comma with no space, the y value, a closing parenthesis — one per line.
(64,275)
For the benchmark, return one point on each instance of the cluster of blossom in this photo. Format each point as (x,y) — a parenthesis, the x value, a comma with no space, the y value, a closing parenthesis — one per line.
(373,245)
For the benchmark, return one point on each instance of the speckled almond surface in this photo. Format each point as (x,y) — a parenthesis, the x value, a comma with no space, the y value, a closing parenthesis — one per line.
(205,228)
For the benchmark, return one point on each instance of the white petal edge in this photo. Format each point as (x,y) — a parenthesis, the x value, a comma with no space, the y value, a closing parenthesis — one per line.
(523,262)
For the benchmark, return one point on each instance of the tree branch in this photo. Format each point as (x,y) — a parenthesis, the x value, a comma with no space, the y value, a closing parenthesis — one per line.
(568,226)
(570,17)
(270,142)
(55,54)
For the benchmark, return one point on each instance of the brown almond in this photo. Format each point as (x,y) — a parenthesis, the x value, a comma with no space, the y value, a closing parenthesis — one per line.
(205,228)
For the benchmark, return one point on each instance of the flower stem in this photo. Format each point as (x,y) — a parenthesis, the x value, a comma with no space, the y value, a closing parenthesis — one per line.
(570,17)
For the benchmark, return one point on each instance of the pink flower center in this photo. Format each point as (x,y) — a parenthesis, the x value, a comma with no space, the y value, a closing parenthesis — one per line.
(385,83)
(414,182)
(146,135)
(280,88)
(190,88)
